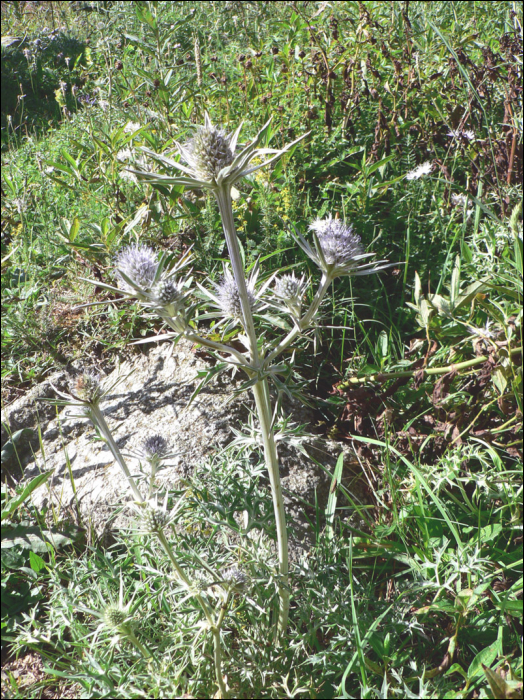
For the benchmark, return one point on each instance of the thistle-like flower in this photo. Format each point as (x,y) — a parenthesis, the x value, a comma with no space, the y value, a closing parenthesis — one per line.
(228,295)
(208,152)
(340,246)
(137,267)
(338,250)
(170,295)
(87,388)
(154,518)
(141,274)
(200,583)
(236,579)
(290,289)
(210,159)
(115,617)
(155,447)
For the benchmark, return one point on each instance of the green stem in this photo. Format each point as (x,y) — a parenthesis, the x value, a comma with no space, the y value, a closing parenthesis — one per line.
(141,648)
(218,662)
(263,404)
(182,576)
(195,338)
(262,400)
(99,421)
(384,376)
(223,197)
(215,629)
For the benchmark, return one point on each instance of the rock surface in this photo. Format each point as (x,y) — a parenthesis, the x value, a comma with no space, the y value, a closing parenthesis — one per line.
(153,399)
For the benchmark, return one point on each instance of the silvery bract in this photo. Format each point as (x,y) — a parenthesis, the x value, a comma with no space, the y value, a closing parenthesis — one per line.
(210,159)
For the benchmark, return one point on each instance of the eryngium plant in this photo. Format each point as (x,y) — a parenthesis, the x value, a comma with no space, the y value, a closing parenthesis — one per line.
(211,162)
(85,397)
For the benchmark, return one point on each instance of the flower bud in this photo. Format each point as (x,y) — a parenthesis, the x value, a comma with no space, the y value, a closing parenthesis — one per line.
(114,616)
(87,387)
(236,579)
(154,519)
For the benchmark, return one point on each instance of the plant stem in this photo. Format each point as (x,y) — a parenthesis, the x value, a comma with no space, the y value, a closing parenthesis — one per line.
(218,662)
(215,629)
(304,322)
(141,648)
(384,376)
(263,404)
(100,422)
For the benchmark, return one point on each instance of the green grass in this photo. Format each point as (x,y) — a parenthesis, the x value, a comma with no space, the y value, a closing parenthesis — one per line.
(417,579)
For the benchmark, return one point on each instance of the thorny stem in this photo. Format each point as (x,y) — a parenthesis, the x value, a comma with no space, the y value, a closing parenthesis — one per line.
(263,404)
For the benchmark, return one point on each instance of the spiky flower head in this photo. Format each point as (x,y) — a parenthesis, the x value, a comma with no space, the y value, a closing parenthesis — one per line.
(210,159)
(115,616)
(338,250)
(168,292)
(154,518)
(288,287)
(228,295)
(139,263)
(236,579)
(155,447)
(87,387)
(200,583)
(340,246)
(210,151)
